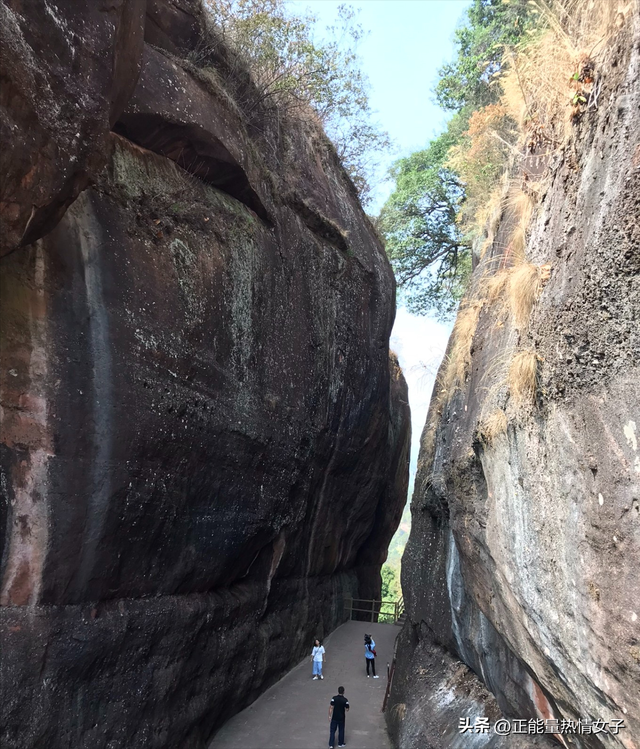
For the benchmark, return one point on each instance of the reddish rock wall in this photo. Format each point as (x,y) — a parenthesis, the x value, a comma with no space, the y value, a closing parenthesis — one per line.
(204,445)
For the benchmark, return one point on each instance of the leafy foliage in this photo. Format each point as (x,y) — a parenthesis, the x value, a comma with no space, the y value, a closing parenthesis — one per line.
(428,220)
(426,247)
(492,26)
(390,584)
(399,540)
(391,588)
(297,72)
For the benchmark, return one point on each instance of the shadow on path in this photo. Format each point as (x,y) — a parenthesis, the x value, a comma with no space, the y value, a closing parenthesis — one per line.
(293,714)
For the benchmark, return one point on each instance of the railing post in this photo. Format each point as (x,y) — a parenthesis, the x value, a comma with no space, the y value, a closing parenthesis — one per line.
(390,673)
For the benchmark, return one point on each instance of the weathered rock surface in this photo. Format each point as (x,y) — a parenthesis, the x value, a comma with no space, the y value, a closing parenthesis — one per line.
(204,442)
(67,74)
(525,548)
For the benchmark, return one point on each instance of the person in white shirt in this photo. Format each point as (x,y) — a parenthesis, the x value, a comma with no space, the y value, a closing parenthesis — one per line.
(370,654)
(317,656)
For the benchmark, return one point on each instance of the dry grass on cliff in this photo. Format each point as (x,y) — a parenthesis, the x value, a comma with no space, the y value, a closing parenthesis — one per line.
(511,203)
(456,366)
(480,158)
(490,215)
(516,290)
(550,78)
(398,711)
(523,378)
(492,427)
(525,284)
(521,205)
(452,374)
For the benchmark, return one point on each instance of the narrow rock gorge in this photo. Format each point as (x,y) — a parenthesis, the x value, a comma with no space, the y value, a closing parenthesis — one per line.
(204,437)
(521,572)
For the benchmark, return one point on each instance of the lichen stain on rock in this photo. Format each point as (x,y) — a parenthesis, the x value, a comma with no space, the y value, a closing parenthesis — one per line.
(629,430)
(184,260)
(630,433)
(28,535)
(244,268)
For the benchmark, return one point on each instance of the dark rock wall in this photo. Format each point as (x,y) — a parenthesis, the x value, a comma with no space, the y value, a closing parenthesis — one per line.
(67,72)
(204,440)
(525,549)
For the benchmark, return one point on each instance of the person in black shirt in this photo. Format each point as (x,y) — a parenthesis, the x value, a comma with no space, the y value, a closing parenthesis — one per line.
(337,713)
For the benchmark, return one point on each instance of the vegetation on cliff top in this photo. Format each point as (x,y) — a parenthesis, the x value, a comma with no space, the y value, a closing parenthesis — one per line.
(303,74)
(429,221)
(522,75)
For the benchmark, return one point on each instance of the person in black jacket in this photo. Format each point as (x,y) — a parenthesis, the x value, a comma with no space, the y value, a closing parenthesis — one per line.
(337,713)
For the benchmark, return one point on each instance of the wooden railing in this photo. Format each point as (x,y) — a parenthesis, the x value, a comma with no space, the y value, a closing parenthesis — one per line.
(390,671)
(367,609)
(374,611)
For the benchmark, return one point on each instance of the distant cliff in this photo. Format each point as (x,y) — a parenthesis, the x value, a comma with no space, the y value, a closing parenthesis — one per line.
(521,572)
(204,441)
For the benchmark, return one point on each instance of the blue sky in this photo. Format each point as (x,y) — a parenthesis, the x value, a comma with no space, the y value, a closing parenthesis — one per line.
(408,41)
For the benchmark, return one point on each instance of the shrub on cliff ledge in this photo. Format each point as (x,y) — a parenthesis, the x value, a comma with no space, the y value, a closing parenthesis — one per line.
(296,72)
(552,77)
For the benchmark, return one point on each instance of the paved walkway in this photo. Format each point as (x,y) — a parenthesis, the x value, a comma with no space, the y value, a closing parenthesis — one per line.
(293,714)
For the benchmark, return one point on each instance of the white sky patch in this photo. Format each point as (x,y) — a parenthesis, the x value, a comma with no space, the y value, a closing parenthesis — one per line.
(420,343)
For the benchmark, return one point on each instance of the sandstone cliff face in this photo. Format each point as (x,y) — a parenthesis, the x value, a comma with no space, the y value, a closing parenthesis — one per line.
(525,546)
(205,445)
(66,77)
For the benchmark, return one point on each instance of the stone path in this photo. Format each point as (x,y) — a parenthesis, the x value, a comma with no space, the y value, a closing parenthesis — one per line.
(293,714)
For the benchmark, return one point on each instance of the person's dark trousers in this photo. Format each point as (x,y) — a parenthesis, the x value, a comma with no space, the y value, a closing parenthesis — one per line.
(332,732)
(371,661)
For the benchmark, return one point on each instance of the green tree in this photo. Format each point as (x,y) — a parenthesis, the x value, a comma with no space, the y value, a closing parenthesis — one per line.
(426,220)
(389,583)
(426,247)
(492,26)
(296,71)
